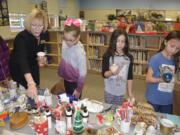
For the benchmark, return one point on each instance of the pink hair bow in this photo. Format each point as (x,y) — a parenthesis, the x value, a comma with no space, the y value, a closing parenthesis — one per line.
(70,21)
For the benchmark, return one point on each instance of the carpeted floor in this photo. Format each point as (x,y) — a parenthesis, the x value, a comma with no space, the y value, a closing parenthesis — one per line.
(94,85)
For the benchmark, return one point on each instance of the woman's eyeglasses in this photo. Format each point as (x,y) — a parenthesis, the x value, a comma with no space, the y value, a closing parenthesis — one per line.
(35,26)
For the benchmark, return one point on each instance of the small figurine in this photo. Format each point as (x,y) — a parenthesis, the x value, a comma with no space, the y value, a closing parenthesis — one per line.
(69,114)
(78,126)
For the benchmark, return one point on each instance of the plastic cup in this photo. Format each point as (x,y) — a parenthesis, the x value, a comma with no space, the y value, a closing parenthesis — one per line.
(125,126)
(41,58)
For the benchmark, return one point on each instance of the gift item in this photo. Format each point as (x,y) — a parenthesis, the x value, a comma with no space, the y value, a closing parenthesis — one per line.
(144,112)
(85,115)
(13,84)
(140,128)
(22,100)
(48,115)
(1,93)
(109,119)
(60,127)
(125,126)
(125,112)
(48,97)
(13,93)
(166,126)
(66,98)
(93,106)
(100,119)
(166,73)
(31,103)
(3,116)
(40,124)
(69,114)
(18,120)
(151,130)
(58,112)
(1,107)
(78,126)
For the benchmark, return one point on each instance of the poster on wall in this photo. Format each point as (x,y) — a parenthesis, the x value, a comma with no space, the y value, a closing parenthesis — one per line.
(141,14)
(158,15)
(4,14)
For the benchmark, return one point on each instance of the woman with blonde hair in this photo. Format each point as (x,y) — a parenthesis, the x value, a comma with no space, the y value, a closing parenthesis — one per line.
(24,63)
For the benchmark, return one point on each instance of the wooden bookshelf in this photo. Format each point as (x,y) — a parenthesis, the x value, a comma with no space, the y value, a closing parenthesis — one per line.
(142,47)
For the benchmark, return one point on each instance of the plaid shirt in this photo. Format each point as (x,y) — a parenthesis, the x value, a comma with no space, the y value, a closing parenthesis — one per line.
(4,58)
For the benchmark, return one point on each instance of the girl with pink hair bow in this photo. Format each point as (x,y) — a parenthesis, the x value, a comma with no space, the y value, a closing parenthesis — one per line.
(73,61)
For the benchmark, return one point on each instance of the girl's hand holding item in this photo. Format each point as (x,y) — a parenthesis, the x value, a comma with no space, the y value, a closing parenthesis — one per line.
(76,94)
(114,69)
(32,90)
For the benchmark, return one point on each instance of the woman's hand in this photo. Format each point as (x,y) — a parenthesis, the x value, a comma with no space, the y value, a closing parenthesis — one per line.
(76,94)
(32,90)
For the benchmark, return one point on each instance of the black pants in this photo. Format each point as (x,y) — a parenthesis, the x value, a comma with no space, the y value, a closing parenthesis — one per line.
(70,87)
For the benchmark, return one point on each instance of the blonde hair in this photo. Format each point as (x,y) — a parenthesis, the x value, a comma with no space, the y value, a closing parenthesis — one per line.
(36,13)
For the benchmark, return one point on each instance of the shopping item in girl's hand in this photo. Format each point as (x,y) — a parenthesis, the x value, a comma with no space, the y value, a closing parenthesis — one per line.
(66,98)
(166,73)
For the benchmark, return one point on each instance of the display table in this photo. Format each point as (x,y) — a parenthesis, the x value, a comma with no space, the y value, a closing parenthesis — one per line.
(26,130)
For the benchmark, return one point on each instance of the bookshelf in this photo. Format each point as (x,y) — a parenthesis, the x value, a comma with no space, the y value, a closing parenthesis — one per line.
(53,47)
(142,47)
(97,45)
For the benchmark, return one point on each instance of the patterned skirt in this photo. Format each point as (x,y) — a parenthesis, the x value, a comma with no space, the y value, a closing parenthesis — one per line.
(116,101)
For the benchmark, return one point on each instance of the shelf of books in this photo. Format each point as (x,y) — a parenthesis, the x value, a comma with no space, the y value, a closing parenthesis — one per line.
(53,48)
(142,47)
(97,45)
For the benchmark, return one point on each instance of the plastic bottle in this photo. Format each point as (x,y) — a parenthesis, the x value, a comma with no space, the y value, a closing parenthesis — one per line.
(48,115)
(48,97)
(69,117)
(12,91)
(85,115)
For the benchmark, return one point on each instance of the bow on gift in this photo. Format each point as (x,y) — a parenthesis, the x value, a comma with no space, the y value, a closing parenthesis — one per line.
(76,22)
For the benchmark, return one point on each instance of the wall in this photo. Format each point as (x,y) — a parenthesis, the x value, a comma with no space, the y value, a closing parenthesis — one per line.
(69,7)
(99,9)
(20,6)
(141,4)
(96,14)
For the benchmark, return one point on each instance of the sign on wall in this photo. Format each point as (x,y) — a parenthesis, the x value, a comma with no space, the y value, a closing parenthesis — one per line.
(4,14)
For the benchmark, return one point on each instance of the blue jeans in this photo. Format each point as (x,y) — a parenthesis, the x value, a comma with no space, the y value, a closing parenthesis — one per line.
(162,108)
